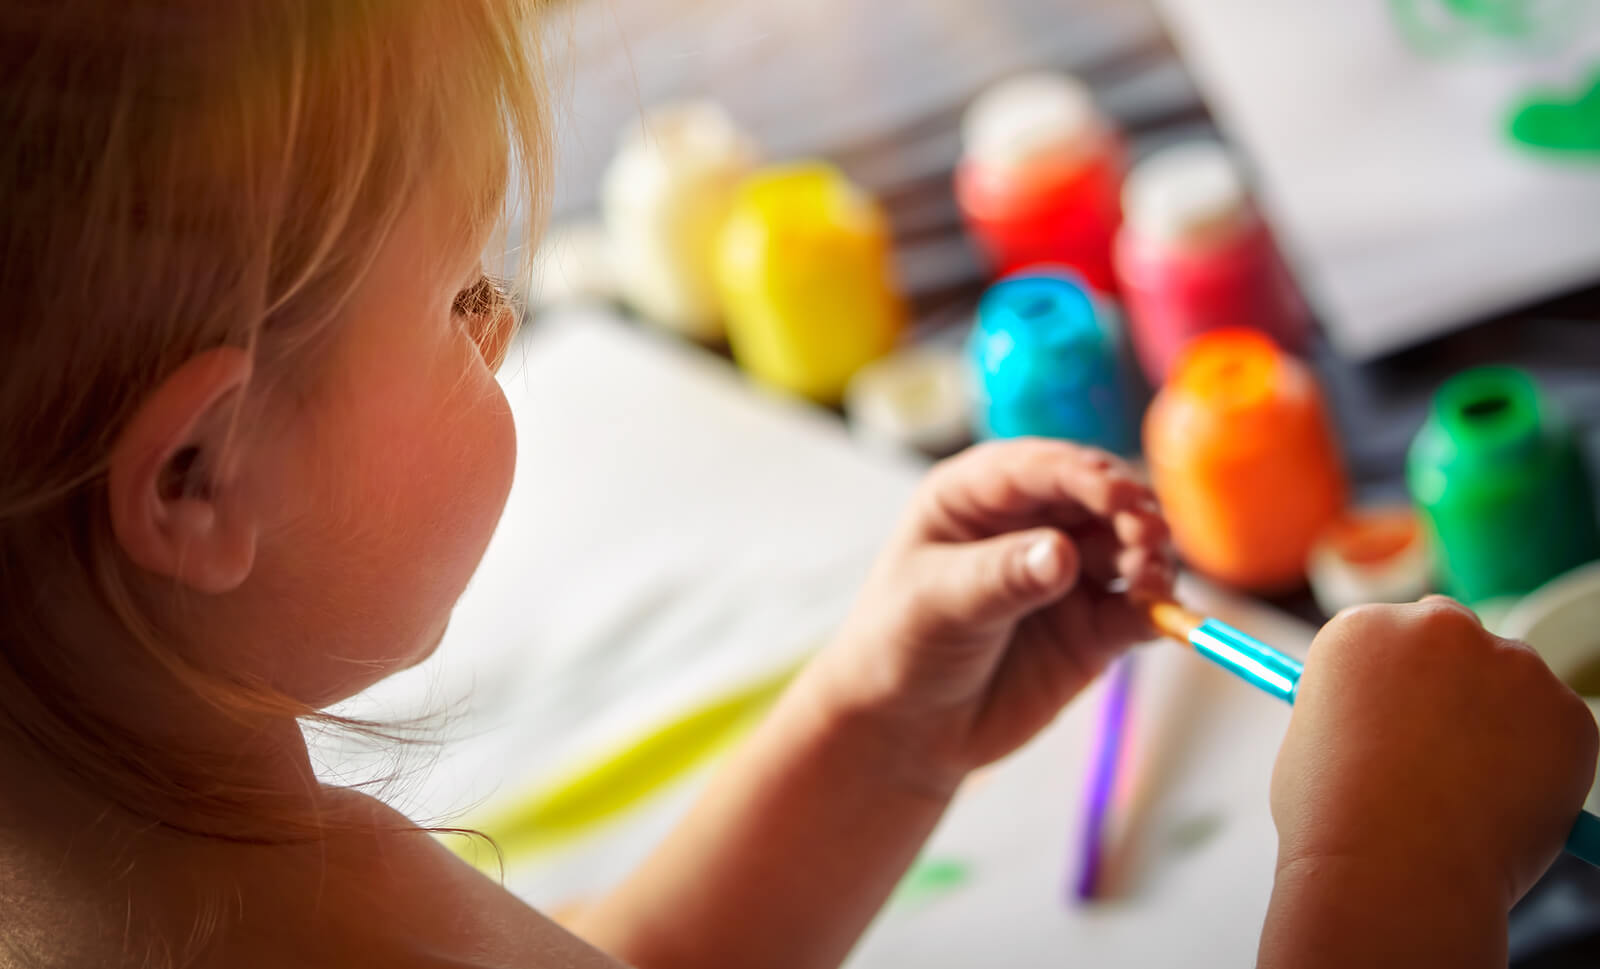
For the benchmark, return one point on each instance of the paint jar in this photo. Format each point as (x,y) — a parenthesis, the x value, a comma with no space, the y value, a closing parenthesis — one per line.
(1040,177)
(1243,460)
(1046,363)
(804,271)
(1194,255)
(915,401)
(664,198)
(1370,555)
(1498,476)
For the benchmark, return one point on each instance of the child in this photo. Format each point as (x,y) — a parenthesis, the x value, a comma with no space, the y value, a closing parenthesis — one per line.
(253,449)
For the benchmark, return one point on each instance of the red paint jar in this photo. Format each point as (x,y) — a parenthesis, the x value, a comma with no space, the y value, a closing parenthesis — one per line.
(1194,255)
(1040,179)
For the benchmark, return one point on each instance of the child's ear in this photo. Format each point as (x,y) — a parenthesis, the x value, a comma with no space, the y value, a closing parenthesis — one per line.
(176,505)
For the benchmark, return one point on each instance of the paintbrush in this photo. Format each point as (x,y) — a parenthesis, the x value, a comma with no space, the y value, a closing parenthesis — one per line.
(1267,669)
(1086,882)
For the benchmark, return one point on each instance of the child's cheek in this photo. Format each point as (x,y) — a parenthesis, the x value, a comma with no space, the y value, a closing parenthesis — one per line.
(455,476)
(497,451)
(411,493)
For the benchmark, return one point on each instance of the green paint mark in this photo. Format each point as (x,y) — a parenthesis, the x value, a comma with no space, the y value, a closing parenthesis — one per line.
(930,879)
(595,794)
(1506,18)
(1193,833)
(1553,121)
(1437,28)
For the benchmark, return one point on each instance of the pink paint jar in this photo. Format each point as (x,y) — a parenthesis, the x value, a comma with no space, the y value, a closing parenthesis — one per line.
(1194,255)
(1040,178)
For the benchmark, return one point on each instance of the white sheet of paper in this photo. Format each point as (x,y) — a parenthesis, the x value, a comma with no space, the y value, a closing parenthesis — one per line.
(673,532)
(1404,205)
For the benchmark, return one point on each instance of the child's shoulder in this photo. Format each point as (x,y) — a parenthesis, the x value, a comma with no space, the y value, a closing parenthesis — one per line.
(378,892)
(393,896)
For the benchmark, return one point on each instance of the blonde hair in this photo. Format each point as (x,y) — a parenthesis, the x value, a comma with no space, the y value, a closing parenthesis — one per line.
(178,175)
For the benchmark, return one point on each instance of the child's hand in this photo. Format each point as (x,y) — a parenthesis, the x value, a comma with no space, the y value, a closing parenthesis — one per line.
(1004,592)
(1422,743)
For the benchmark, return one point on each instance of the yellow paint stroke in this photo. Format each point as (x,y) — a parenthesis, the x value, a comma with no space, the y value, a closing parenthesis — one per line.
(598,792)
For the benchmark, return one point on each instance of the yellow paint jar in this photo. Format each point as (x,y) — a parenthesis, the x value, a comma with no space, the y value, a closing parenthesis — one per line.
(804,269)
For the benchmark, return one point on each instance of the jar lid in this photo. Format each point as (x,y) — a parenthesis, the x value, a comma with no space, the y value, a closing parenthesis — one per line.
(1032,117)
(675,140)
(917,400)
(1190,196)
(1231,370)
(1043,329)
(1370,555)
(808,205)
(1490,413)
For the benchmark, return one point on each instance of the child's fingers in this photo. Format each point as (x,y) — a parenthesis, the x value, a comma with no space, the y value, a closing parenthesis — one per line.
(1108,557)
(1142,526)
(1148,574)
(1120,621)
(1093,625)
(1099,548)
(994,487)
(1102,622)
(997,579)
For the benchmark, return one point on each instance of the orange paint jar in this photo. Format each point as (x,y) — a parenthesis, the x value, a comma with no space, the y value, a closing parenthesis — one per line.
(1244,461)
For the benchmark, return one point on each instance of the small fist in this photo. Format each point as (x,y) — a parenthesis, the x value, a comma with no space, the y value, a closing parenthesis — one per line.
(1420,739)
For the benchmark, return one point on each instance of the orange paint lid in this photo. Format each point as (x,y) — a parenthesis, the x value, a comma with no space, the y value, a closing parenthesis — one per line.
(1229,369)
(1373,537)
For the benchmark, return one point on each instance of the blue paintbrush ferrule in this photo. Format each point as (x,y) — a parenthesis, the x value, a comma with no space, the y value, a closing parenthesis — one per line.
(1248,658)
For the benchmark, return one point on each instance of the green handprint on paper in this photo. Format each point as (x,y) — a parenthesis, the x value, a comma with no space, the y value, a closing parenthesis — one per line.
(1552,122)
(1438,28)
(1566,123)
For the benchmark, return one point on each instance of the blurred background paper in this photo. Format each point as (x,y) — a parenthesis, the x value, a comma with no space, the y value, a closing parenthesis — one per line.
(1381,132)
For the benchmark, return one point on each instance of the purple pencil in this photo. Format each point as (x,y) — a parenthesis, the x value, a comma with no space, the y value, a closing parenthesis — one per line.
(1103,778)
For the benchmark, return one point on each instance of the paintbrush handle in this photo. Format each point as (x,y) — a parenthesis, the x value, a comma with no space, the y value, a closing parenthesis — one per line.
(1103,780)
(1248,658)
(1269,670)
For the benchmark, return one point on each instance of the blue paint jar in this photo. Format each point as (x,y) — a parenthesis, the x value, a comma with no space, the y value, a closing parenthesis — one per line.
(1046,360)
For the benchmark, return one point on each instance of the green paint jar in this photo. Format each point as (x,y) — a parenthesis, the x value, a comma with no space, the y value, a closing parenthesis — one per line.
(1498,476)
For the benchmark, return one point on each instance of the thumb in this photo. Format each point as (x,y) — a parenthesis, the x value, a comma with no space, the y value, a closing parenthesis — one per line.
(1000,579)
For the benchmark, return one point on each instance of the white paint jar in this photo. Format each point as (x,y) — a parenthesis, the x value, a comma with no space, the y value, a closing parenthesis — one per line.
(663,199)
